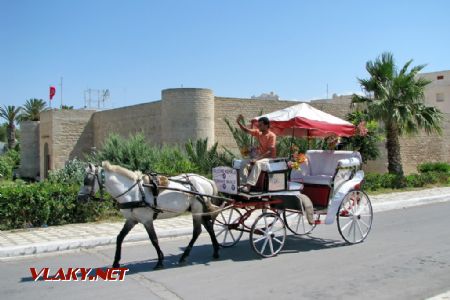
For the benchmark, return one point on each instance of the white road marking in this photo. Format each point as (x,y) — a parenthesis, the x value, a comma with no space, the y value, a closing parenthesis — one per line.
(444,296)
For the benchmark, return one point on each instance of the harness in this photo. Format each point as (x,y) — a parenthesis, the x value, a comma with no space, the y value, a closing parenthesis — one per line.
(154,188)
(142,203)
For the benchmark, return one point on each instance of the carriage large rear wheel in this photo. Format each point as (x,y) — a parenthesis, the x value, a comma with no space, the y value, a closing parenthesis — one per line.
(354,218)
(268,234)
(228,228)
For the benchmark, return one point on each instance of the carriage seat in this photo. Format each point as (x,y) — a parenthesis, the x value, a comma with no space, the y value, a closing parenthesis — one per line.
(273,165)
(321,165)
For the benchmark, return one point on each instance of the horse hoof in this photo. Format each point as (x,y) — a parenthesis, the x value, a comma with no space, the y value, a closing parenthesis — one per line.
(116,265)
(158,267)
(216,255)
(182,261)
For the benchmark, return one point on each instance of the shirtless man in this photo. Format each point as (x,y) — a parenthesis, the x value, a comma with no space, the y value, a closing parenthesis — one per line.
(266,149)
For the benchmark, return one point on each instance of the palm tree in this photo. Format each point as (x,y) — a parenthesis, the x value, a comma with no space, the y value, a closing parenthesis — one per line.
(11,114)
(32,110)
(396,99)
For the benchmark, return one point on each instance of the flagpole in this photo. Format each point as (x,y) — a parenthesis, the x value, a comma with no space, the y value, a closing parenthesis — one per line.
(49,99)
(61,84)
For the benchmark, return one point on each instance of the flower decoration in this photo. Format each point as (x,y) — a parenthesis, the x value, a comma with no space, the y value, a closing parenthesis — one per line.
(297,159)
(361,129)
(244,151)
(248,152)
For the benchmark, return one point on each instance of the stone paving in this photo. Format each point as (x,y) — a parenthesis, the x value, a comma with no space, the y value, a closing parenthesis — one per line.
(83,231)
(55,238)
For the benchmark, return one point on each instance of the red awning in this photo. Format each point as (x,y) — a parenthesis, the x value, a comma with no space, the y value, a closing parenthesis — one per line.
(303,120)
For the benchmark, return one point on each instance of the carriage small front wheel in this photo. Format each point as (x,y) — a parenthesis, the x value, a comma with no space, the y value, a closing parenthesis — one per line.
(228,227)
(297,223)
(268,234)
(354,218)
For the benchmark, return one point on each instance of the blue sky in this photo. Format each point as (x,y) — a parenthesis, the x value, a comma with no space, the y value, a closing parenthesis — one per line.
(237,48)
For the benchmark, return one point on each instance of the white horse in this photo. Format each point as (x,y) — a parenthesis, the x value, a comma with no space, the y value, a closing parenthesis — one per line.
(139,205)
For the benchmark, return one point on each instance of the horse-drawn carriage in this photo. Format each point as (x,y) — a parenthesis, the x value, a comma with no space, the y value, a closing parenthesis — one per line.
(327,186)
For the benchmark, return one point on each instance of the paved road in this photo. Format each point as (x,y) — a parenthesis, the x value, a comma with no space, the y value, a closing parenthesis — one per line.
(406,256)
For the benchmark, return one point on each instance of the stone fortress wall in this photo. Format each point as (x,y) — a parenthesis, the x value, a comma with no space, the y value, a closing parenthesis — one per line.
(192,113)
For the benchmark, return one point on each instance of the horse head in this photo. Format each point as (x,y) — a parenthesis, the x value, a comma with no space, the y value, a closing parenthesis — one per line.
(92,183)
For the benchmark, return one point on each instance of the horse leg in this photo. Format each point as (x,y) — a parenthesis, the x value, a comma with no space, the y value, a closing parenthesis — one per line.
(208,224)
(197,222)
(129,224)
(154,239)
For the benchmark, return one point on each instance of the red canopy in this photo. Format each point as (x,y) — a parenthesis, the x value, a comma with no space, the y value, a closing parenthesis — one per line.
(304,120)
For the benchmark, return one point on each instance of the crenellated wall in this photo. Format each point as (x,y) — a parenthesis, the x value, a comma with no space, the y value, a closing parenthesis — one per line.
(188,113)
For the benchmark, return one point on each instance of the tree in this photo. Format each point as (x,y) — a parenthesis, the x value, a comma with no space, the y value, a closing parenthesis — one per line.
(67,107)
(11,114)
(396,99)
(32,109)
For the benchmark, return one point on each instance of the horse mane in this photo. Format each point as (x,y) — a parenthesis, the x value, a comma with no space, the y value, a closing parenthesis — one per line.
(133,175)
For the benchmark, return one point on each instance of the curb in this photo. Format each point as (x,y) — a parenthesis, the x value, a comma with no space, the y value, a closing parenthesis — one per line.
(47,247)
(411,202)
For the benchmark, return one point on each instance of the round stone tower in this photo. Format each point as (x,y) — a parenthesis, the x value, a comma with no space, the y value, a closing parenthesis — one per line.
(187,113)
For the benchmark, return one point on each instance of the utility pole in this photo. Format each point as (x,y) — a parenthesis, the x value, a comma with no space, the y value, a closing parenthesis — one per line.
(327,90)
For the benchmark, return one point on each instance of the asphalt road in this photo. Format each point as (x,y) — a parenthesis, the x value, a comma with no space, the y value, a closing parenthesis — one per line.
(406,256)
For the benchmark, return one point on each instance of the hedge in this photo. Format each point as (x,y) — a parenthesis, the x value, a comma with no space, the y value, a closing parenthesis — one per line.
(41,204)
(375,181)
(434,167)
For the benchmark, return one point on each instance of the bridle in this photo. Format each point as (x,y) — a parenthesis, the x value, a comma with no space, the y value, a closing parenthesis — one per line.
(100,178)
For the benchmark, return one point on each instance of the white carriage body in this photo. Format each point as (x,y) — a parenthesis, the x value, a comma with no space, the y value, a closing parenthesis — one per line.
(340,171)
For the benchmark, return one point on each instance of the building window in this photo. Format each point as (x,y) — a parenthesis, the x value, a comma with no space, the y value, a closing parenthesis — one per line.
(440,97)
(440,77)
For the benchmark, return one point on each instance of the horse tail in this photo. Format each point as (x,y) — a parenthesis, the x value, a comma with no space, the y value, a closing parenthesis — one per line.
(214,187)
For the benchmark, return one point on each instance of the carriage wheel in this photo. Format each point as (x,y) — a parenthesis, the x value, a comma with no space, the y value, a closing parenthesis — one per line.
(227,228)
(354,218)
(268,234)
(297,223)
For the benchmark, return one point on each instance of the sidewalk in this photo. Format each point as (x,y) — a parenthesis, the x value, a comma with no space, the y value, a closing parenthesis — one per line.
(21,242)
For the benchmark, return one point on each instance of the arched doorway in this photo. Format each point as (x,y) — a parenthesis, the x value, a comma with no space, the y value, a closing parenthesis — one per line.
(46,160)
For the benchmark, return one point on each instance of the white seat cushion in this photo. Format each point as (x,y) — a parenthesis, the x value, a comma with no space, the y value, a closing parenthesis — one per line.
(317,179)
(272,165)
(321,165)
(295,186)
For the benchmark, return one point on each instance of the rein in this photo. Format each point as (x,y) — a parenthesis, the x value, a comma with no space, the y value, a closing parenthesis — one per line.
(100,177)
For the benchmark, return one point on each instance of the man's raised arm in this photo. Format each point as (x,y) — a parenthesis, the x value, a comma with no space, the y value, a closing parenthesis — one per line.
(240,119)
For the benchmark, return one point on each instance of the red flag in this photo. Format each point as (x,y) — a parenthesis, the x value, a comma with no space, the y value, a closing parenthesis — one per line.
(52,92)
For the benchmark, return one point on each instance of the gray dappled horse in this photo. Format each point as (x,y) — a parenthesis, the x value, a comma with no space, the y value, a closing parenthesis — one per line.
(138,204)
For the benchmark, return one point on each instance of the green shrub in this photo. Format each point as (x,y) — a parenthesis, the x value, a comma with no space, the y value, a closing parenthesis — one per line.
(6,168)
(135,153)
(434,167)
(14,157)
(414,180)
(72,173)
(205,159)
(171,160)
(373,182)
(46,203)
